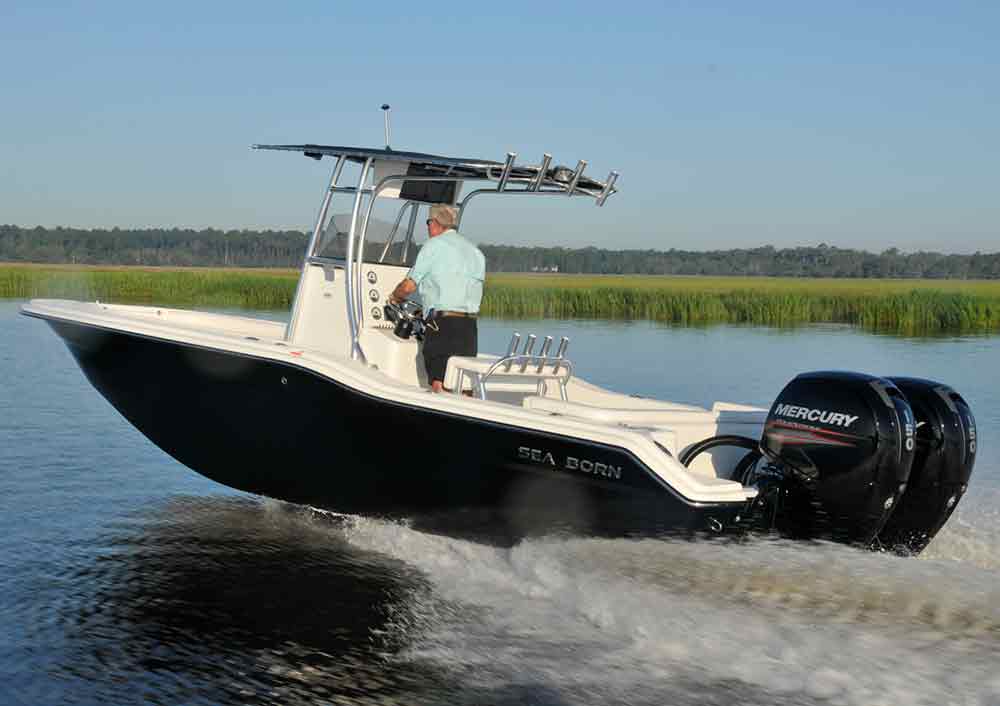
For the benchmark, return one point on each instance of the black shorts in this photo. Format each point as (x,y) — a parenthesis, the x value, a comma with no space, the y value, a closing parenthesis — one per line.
(454,335)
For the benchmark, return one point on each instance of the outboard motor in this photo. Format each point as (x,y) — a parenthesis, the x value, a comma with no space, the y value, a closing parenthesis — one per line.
(840,447)
(945,455)
(859,459)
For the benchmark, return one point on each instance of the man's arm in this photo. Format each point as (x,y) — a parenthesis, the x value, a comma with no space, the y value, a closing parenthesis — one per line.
(403,291)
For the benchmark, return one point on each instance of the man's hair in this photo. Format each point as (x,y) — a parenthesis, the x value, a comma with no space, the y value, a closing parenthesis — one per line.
(444,214)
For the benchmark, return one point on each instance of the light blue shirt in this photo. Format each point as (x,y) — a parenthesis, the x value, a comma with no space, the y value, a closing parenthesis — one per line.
(449,274)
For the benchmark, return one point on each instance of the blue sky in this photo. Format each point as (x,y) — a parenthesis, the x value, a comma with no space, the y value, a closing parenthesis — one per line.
(732,124)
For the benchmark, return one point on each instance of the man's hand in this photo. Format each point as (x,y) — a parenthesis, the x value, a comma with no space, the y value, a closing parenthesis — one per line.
(402,291)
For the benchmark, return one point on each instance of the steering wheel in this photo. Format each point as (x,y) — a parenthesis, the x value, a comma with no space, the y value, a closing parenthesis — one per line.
(407,317)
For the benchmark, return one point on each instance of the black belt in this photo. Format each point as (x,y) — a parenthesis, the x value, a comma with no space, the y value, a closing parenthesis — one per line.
(463,314)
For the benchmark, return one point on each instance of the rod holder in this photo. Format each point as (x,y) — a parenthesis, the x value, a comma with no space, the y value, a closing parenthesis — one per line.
(529,345)
(546,345)
(560,353)
(385,111)
(608,188)
(571,187)
(508,166)
(512,349)
(542,169)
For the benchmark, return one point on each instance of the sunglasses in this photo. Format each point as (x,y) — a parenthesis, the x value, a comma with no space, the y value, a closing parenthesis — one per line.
(431,220)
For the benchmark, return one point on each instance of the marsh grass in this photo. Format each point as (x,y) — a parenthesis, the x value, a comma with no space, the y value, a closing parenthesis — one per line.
(919,307)
(254,289)
(916,307)
(917,311)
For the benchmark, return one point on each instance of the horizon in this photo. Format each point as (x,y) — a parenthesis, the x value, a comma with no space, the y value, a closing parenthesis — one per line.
(731,125)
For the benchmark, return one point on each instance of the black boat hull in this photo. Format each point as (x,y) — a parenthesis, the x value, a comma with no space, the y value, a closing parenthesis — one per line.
(281,430)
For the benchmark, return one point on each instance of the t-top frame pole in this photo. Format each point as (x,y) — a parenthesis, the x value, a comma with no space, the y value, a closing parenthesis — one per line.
(352,311)
(311,249)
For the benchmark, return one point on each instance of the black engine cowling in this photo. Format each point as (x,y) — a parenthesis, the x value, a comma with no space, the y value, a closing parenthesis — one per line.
(859,459)
(945,455)
(841,445)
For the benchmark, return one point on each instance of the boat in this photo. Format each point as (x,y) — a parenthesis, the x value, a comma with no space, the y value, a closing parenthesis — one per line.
(332,409)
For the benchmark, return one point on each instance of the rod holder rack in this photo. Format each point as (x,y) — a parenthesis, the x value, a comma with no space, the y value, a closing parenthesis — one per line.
(526,366)
(538,179)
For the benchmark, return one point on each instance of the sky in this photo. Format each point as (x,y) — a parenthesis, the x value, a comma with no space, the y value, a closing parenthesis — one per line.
(738,124)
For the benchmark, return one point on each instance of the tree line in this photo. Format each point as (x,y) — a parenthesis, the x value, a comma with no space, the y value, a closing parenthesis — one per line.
(285,248)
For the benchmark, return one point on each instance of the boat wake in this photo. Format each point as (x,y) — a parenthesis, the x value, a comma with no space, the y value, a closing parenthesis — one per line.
(589,620)
(973,536)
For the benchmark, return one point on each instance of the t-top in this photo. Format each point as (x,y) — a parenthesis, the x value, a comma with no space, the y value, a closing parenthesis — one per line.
(449,274)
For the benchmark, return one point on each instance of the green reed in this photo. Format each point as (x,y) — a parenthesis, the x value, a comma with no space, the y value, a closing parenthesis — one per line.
(918,311)
(906,307)
(216,288)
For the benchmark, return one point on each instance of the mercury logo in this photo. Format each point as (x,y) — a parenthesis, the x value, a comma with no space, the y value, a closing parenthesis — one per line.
(815,415)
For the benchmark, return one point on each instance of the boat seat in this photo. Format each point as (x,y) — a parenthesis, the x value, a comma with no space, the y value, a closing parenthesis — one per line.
(473,373)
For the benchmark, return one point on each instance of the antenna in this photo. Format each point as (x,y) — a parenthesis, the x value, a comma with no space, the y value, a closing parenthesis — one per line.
(385,111)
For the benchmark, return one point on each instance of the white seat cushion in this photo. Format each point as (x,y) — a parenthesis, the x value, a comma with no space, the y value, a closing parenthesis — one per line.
(480,364)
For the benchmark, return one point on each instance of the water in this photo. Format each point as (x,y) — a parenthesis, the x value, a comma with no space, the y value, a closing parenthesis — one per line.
(126,578)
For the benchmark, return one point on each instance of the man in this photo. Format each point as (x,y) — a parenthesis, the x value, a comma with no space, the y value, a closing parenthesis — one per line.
(448,275)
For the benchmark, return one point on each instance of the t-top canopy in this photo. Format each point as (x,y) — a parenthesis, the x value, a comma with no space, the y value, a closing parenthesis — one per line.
(558,178)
